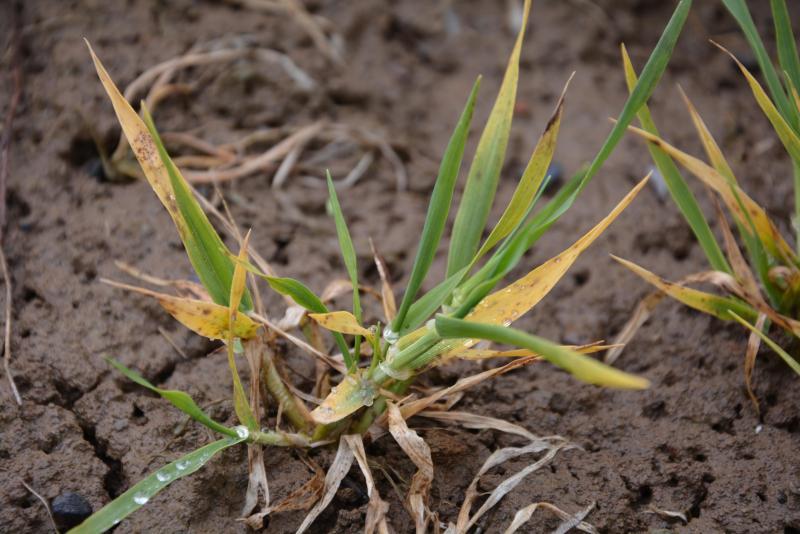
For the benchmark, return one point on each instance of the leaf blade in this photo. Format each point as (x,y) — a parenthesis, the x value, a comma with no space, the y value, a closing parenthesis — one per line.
(530,181)
(438,208)
(343,322)
(476,201)
(680,192)
(349,257)
(582,367)
(205,318)
(708,303)
(138,495)
(179,399)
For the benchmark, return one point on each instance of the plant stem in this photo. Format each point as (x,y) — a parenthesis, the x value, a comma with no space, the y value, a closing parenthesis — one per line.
(402,360)
(279,439)
(292,407)
(796,218)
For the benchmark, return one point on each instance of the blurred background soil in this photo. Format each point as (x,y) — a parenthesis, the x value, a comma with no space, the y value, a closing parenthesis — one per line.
(692,443)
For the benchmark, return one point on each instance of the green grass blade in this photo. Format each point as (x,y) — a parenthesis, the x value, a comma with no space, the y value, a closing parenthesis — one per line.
(137,496)
(205,248)
(787,47)
(580,366)
(506,256)
(306,298)
(349,257)
(680,192)
(739,10)
(426,305)
(651,74)
(438,208)
(502,261)
(530,182)
(476,202)
(298,292)
(791,362)
(179,399)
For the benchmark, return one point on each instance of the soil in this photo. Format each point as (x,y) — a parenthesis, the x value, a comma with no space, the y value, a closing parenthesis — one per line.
(691,443)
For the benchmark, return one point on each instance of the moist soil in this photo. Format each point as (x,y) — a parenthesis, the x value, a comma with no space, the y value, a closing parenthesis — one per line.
(692,443)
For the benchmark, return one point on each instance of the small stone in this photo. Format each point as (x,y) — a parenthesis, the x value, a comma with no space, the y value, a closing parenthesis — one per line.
(70,509)
(94,168)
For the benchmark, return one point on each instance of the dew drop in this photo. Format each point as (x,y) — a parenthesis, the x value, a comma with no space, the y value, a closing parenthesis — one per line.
(759,428)
(181,465)
(242,432)
(163,476)
(390,336)
(140,499)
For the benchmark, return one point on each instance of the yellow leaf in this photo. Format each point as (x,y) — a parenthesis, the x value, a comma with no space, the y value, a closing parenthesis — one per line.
(731,194)
(482,354)
(239,278)
(531,179)
(142,144)
(240,402)
(507,305)
(350,395)
(711,147)
(343,322)
(205,318)
(784,131)
(699,300)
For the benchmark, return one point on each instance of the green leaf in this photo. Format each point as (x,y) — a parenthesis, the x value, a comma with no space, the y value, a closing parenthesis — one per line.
(640,94)
(424,307)
(137,496)
(299,293)
(476,202)
(651,74)
(306,298)
(179,399)
(349,257)
(530,182)
(738,8)
(580,366)
(787,47)
(791,362)
(515,246)
(204,247)
(676,185)
(438,208)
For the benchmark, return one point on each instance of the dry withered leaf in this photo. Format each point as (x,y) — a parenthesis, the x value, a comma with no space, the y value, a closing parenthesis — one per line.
(419,453)
(377,507)
(336,473)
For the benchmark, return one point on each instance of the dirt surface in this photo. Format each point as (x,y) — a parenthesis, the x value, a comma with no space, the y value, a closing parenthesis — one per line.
(692,443)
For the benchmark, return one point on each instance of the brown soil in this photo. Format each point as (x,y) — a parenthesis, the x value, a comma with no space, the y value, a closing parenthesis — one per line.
(690,443)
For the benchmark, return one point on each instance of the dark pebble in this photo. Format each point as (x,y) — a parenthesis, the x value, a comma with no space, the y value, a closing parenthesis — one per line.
(94,168)
(70,509)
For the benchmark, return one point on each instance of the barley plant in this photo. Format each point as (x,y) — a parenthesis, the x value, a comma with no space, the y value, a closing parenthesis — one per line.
(762,285)
(374,364)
